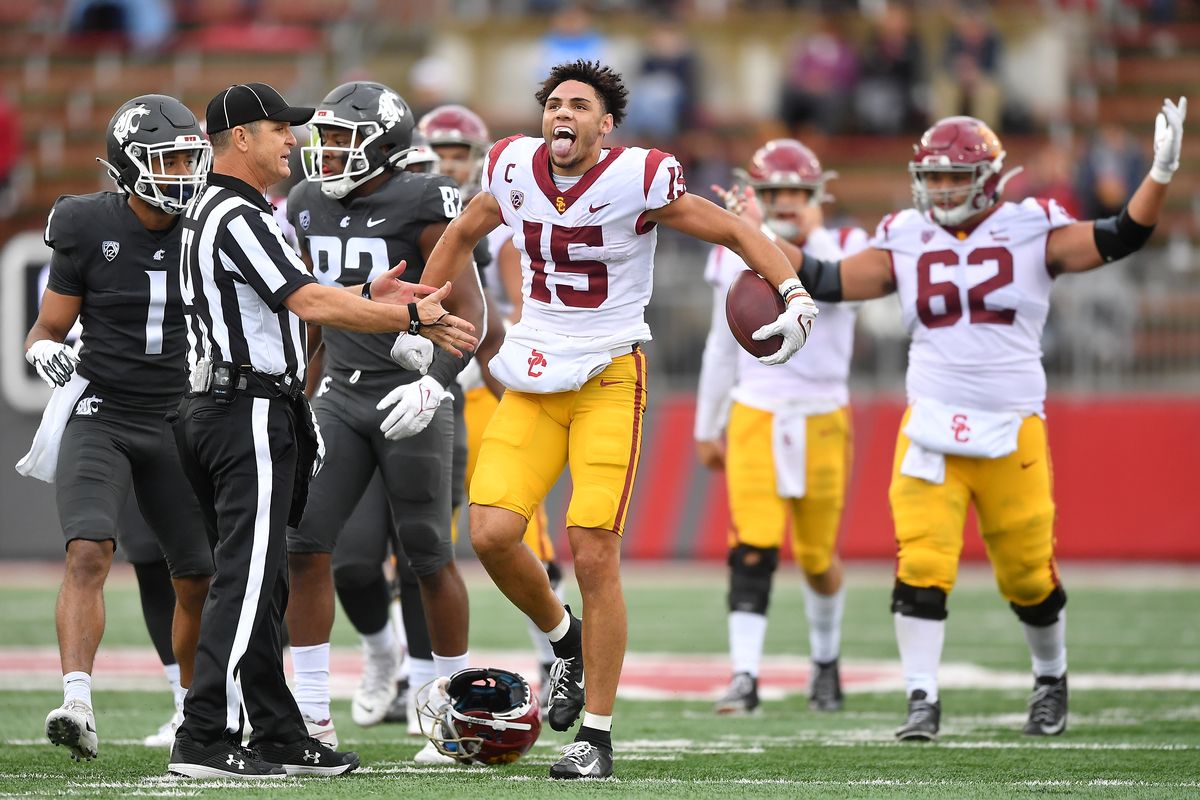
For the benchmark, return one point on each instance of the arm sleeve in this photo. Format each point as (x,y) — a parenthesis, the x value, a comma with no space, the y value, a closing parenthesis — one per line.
(252,246)
(718,364)
(66,277)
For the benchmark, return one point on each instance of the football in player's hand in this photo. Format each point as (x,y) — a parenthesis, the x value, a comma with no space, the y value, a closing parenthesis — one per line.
(751,303)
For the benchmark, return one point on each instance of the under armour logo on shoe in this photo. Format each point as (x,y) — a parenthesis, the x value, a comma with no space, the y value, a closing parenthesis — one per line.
(309,755)
(231,761)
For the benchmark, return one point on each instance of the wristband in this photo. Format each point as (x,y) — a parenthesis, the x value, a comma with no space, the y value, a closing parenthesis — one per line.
(792,289)
(366,290)
(414,320)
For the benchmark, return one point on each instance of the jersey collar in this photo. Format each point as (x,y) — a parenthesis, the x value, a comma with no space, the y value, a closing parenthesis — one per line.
(241,187)
(563,200)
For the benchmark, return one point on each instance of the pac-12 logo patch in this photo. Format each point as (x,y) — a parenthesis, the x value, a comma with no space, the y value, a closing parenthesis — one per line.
(305,219)
(517,198)
(110,249)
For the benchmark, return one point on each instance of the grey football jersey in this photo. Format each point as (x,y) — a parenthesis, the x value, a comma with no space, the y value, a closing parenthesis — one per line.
(353,241)
(127,278)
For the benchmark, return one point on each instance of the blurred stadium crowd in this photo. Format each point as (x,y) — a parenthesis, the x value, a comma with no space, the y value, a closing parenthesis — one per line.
(1071,86)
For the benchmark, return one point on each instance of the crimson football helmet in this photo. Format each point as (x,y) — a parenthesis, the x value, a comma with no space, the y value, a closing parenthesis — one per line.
(786,164)
(381,132)
(483,716)
(458,125)
(142,135)
(964,145)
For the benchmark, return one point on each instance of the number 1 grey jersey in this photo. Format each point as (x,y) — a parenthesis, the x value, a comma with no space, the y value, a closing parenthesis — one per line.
(350,242)
(127,279)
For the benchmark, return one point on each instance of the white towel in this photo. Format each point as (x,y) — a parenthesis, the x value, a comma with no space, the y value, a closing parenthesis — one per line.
(924,464)
(958,431)
(41,461)
(789,446)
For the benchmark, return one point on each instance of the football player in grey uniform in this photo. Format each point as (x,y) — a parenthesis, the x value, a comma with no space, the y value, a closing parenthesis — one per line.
(358,214)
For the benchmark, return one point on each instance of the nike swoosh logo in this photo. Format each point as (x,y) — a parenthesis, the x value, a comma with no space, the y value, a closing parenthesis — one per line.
(604,382)
(1027,465)
(590,768)
(371,223)
(594,209)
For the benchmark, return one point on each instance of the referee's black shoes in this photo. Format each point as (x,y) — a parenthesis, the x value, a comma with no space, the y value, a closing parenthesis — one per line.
(225,758)
(309,757)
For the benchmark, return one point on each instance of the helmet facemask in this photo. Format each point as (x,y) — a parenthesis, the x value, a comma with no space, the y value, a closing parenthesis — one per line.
(358,165)
(147,175)
(979,195)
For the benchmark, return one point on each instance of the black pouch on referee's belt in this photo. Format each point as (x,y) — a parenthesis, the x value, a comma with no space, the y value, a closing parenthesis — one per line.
(307,452)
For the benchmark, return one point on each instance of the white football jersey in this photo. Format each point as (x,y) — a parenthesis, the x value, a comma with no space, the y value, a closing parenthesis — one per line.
(587,254)
(975,307)
(819,373)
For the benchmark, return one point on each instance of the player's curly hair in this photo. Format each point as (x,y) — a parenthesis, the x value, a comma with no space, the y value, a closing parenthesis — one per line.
(607,82)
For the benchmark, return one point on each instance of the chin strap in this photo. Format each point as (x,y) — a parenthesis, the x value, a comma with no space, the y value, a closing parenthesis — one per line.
(1004,179)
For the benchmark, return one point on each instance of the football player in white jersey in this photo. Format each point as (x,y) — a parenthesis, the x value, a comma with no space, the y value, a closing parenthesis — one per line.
(584,217)
(973,275)
(786,452)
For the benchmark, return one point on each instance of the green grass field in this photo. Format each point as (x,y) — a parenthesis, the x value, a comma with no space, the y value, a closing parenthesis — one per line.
(1134,636)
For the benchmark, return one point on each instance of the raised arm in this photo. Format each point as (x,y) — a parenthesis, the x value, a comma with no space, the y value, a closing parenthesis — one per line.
(1086,245)
(454,247)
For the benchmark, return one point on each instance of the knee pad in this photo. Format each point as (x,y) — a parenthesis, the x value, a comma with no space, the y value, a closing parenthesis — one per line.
(1045,613)
(750,572)
(350,576)
(913,601)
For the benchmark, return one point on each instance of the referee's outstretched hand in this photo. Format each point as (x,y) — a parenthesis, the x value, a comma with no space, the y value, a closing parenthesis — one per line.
(451,333)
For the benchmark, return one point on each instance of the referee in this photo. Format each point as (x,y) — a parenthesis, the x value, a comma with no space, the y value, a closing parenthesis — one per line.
(246,435)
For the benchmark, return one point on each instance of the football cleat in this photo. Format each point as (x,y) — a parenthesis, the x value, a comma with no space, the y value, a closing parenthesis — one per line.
(322,730)
(165,735)
(74,727)
(741,697)
(398,710)
(1048,707)
(544,688)
(825,693)
(376,691)
(309,757)
(924,718)
(221,759)
(583,760)
(566,699)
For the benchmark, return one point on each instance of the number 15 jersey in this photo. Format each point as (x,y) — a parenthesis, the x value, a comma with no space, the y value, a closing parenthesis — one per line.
(975,307)
(587,253)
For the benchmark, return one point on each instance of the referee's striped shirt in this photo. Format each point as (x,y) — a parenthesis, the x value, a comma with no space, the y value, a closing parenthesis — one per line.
(236,270)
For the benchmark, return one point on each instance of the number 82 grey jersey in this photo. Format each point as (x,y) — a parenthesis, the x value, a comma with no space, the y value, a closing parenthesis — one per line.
(352,241)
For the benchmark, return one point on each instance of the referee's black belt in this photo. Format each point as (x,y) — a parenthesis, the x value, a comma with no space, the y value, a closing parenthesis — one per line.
(230,380)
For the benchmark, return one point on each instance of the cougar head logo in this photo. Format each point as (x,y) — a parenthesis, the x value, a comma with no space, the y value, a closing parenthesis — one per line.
(128,122)
(391,110)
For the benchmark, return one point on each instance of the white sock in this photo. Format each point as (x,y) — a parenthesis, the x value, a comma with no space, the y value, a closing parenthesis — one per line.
(77,686)
(545,652)
(381,644)
(747,631)
(445,666)
(597,721)
(556,633)
(420,672)
(397,618)
(920,642)
(177,691)
(1048,647)
(311,667)
(404,667)
(824,612)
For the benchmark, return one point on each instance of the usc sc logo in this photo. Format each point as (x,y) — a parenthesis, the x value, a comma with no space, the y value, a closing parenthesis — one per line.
(536,360)
(960,428)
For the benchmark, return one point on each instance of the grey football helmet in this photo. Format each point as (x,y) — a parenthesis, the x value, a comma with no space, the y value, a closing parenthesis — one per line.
(380,126)
(146,134)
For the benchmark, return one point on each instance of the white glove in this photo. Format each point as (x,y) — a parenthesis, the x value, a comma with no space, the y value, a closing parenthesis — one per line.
(53,361)
(1168,138)
(415,404)
(319,461)
(794,324)
(413,353)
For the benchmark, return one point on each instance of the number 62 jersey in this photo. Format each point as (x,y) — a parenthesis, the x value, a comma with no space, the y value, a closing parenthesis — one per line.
(976,306)
(587,253)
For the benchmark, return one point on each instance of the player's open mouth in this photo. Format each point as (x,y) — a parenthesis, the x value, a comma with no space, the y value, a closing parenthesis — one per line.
(563,141)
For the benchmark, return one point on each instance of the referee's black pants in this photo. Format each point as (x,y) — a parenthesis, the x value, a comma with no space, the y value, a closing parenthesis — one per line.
(241,459)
